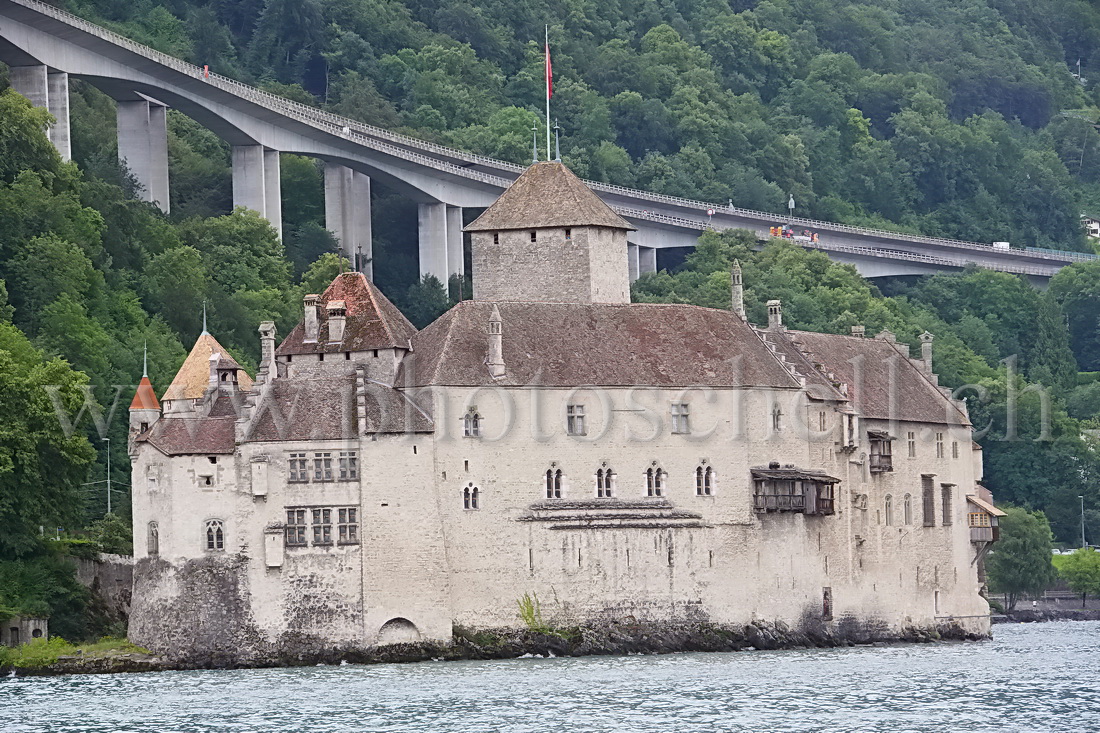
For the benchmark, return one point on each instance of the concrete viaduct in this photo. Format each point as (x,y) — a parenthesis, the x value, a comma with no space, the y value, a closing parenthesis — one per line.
(44,46)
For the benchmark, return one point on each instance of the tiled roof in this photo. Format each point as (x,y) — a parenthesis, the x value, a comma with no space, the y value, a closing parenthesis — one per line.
(193,378)
(145,398)
(567,344)
(190,435)
(311,407)
(372,321)
(547,195)
(882,383)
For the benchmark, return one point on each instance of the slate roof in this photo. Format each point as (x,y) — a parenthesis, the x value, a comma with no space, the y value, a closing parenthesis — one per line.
(869,367)
(372,321)
(310,407)
(193,378)
(547,195)
(568,344)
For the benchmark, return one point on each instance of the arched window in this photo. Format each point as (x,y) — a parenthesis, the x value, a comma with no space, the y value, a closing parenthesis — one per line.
(153,539)
(215,535)
(471,425)
(553,483)
(704,480)
(889,510)
(654,481)
(907,509)
(605,479)
(470,497)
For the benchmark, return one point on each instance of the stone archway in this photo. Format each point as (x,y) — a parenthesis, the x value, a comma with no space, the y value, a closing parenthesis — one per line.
(398,631)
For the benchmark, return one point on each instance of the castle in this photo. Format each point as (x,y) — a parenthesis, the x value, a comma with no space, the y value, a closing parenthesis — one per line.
(549,439)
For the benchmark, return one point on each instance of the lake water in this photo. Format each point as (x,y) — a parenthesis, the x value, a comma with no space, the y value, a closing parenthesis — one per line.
(1035,677)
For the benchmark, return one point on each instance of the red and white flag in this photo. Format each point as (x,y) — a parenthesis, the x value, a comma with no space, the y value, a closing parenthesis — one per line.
(549,74)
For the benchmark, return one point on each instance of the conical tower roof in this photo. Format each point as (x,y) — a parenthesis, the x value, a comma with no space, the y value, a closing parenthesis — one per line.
(547,195)
(145,398)
(193,378)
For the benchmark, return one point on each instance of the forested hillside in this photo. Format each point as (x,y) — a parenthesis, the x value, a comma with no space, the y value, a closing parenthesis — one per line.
(958,118)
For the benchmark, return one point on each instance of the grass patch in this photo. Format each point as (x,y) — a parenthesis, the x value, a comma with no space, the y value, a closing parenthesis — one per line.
(44,652)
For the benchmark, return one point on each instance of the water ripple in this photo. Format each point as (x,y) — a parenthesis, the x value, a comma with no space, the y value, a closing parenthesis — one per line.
(1039,677)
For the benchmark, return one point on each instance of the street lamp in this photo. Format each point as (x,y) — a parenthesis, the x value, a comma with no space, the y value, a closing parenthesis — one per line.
(1082,498)
(108,442)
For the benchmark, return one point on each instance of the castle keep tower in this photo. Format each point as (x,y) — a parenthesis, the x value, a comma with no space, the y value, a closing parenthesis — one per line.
(549,238)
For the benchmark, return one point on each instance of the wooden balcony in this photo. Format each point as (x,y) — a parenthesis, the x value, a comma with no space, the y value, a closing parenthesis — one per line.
(981,534)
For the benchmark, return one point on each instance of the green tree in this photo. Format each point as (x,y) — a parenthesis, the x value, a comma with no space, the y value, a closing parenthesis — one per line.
(41,466)
(1081,570)
(1020,561)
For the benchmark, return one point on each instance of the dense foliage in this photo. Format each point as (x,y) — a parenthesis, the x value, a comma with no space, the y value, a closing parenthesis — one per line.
(960,119)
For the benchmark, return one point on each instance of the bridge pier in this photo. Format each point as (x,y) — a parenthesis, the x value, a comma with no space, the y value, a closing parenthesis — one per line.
(256,183)
(632,261)
(143,148)
(455,260)
(348,215)
(49,90)
(432,225)
(647,260)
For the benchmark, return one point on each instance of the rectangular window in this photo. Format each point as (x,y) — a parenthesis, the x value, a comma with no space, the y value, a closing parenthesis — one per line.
(954,449)
(928,491)
(534,237)
(322,526)
(946,508)
(911,438)
(821,422)
(298,472)
(322,467)
(826,604)
(349,526)
(680,418)
(574,419)
(349,465)
(939,445)
(568,233)
(296,527)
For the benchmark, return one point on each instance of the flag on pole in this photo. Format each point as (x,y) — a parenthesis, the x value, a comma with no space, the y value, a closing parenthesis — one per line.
(549,74)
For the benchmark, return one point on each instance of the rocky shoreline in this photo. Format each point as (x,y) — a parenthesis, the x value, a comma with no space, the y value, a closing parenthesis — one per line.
(1030,616)
(610,639)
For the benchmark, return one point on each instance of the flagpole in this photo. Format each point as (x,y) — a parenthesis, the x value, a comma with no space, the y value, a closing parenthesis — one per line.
(547,75)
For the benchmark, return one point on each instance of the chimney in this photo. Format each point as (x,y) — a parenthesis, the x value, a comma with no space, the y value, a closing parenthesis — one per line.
(311,303)
(858,331)
(214,359)
(496,344)
(267,346)
(775,315)
(738,290)
(337,313)
(926,351)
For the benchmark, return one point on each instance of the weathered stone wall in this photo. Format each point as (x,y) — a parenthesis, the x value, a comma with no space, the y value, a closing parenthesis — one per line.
(111,579)
(588,267)
(426,562)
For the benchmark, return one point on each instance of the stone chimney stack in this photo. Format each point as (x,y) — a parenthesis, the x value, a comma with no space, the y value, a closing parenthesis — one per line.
(738,290)
(214,359)
(926,351)
(858,331)
(775,315)
(311,324)
(337,314)
(496,344)
(267,346)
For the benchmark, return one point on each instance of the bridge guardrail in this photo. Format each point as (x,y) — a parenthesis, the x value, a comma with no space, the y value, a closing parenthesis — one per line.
(377,137)
(834,247)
